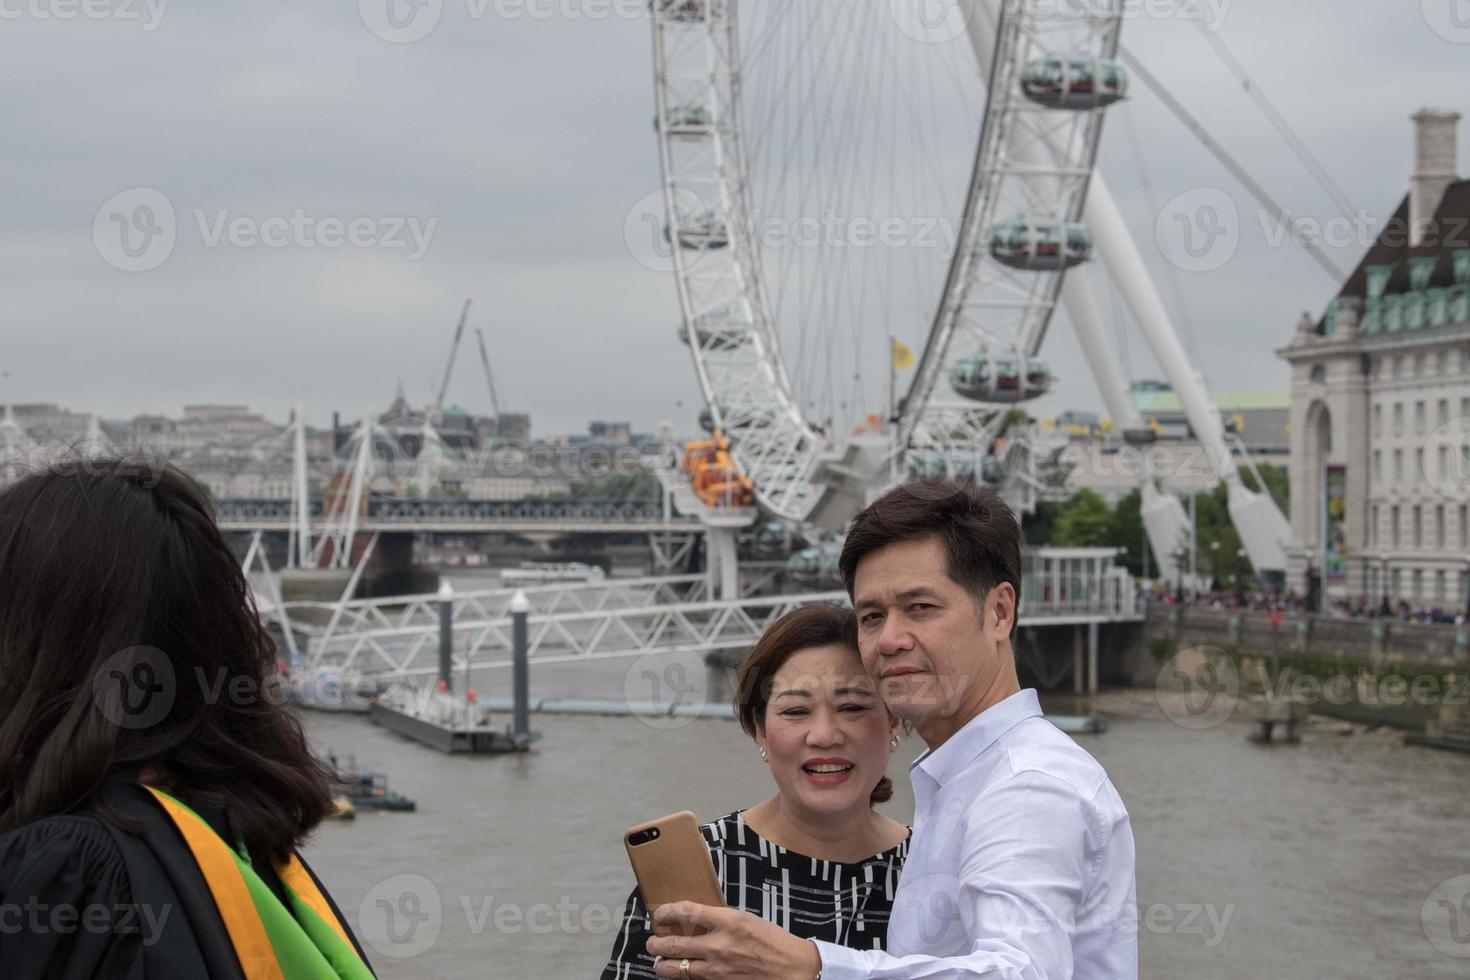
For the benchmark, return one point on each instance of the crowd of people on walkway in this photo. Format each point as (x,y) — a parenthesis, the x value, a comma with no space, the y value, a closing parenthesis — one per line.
(1279,602)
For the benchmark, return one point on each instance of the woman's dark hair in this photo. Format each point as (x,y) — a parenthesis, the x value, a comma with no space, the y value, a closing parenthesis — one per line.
(818,625)
(981,536)
(130,643)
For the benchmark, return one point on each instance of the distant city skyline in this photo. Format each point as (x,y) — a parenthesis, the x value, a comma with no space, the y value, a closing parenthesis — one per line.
(509,153)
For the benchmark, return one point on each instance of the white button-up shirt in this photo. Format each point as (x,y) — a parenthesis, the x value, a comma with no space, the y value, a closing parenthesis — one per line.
(1020,865)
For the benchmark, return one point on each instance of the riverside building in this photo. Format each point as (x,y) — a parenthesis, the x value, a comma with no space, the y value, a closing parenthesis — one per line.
(1380,404)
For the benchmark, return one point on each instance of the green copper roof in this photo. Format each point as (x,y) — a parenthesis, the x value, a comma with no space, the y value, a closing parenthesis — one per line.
(1166,402)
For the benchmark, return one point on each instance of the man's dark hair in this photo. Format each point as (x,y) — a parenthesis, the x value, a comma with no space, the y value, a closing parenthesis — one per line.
(115,575)
(982,538)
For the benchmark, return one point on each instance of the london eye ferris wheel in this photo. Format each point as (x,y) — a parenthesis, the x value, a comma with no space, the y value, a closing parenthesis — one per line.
(837,177)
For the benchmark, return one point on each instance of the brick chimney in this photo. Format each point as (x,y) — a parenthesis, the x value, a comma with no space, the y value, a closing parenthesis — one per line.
(1435,164)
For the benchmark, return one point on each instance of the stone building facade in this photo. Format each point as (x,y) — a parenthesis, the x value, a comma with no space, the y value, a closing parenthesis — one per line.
(1380,407)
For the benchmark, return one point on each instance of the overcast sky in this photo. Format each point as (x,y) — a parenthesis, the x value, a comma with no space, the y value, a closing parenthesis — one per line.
(526,142)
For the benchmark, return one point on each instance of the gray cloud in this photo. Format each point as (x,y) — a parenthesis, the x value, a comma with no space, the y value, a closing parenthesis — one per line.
(528,140)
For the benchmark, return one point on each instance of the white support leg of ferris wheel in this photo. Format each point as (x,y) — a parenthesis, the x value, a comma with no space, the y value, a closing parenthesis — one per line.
(1163,514)
(722,562)
(1083,304)
(1263,529)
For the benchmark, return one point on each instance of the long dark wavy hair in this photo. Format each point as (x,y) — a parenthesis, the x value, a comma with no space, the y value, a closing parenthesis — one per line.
(130,646)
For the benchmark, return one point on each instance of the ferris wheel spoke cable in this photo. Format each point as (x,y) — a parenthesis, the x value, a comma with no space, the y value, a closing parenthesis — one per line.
(836,300)
(801,141)
(820,307)
(1236,170)
(1278,121)
(847,292)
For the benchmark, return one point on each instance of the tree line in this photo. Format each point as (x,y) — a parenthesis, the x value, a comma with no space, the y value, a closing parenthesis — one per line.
(1086,520)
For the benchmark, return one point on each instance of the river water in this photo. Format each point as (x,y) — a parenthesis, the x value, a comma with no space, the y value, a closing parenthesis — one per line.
(1303,862)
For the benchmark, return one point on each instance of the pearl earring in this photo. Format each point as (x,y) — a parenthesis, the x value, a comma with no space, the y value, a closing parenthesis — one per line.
(894,744)
(763,753)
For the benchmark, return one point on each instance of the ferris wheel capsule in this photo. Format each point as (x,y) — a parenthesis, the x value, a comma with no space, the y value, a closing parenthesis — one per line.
(735,424)
(816,566)
(1002,378)
(705,230)
(929,464)
(687,121)
(1074,82)
(684,11)
(724,329)
(1040,244)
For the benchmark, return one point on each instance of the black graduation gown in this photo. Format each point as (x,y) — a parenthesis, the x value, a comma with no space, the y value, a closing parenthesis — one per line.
(82,899)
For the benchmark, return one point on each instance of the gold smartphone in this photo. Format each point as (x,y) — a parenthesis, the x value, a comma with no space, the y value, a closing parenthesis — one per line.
(672,864)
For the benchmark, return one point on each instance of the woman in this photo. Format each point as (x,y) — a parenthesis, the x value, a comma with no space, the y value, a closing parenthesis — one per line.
(152,788)
(815,857)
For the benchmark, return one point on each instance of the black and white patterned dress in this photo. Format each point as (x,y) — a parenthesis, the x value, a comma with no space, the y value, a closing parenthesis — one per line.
(848,904)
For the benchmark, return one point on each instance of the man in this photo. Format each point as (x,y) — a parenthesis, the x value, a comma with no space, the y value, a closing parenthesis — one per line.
(1021,862)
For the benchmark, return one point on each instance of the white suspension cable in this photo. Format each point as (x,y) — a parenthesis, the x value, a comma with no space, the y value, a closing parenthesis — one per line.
(1278,121)
(1237,170)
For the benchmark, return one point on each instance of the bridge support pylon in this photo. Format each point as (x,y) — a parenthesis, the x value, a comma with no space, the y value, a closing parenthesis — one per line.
(722,563)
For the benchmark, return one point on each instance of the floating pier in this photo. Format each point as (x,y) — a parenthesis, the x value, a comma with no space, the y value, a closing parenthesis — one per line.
(439,719)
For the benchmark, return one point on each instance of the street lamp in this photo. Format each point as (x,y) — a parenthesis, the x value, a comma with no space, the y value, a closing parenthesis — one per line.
(1215,560)
(1383,582)
(1466,584)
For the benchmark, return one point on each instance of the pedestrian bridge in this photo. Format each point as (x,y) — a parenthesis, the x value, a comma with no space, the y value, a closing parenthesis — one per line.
(398,637)
(451,515)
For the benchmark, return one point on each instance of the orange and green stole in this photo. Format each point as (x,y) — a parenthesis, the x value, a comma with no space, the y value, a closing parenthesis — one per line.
(304,941)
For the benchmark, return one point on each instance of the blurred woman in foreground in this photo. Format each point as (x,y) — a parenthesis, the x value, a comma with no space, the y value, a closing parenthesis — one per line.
(153,789)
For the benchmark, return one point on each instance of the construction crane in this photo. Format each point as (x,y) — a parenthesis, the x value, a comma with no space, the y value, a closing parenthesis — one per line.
(449,368)
(489,378)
